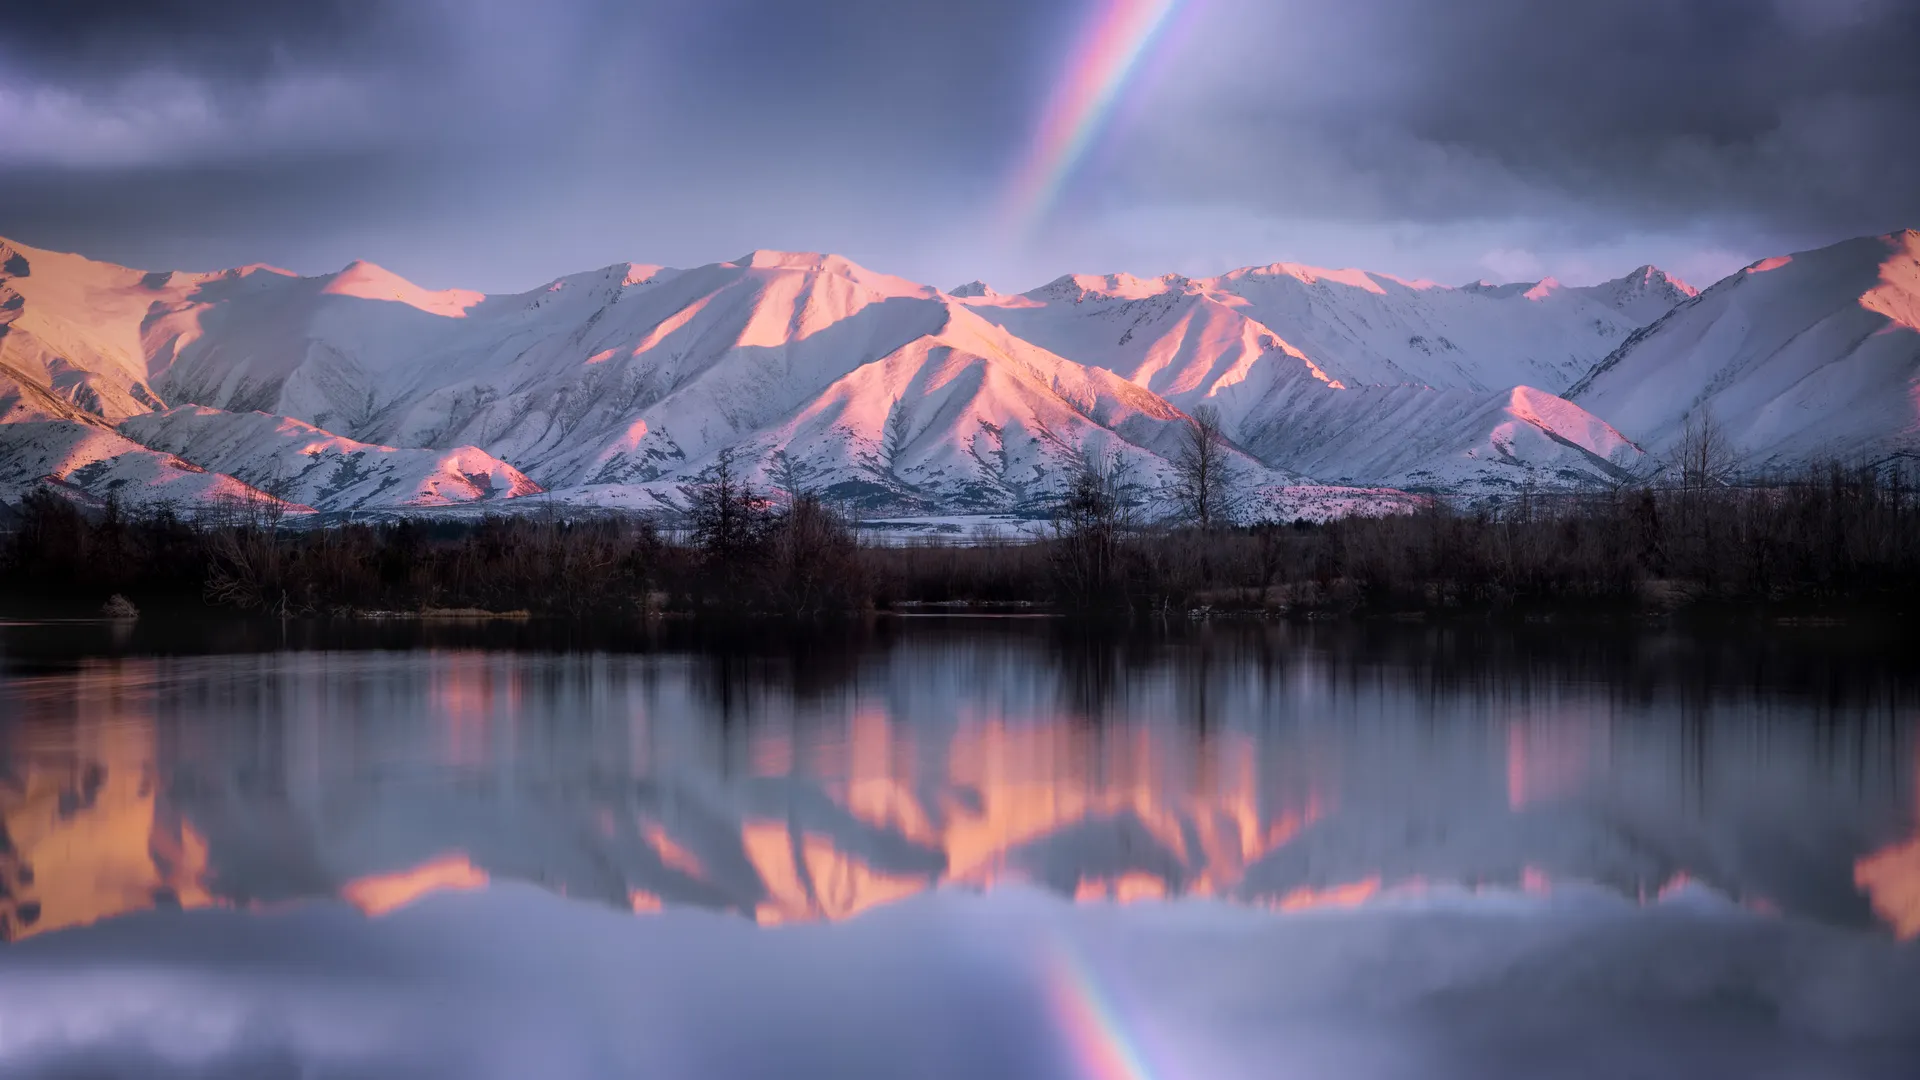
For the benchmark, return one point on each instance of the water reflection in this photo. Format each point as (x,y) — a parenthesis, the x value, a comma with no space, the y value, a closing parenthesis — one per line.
(1274,766)
(1891,877)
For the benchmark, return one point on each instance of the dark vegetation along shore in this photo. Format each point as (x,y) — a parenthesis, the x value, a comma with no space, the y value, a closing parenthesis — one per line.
(1832,540)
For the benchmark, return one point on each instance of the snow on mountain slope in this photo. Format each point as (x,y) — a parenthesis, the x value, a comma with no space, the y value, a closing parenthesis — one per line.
(968,417)
(1642,296)
(636,377)
(1185,337)
(305,464)
(559,380)
(72,326)
(46,440)
(22,399)
(1438,440)
(618,385)
(1371,329)
(993,418)
(1167,336)
(99,464)
(1797,358)
(1207,342)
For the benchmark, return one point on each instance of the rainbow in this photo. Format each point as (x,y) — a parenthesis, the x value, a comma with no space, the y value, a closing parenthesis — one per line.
(1100,1043)
(1116,38)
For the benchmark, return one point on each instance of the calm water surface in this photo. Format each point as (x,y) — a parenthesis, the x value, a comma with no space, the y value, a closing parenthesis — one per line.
(1315,836)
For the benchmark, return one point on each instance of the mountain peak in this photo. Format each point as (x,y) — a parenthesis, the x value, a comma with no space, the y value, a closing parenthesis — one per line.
(1651,277)
(637,273)
(825,266)
(363,268)
(251,269)
(368,281)
(767,259)
(1077,287)
(972,288)
(1486,288)
(1316,275)
(1643,295)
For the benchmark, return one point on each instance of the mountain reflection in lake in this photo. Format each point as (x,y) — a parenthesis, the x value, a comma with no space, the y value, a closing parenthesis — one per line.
(1277,769)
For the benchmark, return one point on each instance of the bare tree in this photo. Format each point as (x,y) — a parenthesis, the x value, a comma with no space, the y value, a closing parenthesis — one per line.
(1705,456)
(728,517)
(813,560)
(277,487)
(1202,488)
(792,477)
(1089,524)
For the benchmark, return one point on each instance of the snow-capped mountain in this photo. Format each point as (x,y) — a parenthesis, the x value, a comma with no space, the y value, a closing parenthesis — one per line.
(361,390)
(1345,327)
(1355,377)
(1797,358)
(1642,296)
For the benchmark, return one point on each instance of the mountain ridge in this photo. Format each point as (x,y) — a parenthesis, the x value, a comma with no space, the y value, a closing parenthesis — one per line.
(1776,352)
(620,384)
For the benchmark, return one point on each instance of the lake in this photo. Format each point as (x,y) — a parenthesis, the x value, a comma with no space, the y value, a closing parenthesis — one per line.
(958,847)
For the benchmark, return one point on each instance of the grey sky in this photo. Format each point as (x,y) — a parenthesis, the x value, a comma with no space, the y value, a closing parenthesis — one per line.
(498,143)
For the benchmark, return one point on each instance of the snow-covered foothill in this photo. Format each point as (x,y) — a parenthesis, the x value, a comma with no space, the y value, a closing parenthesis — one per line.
(46,440)
(306,465)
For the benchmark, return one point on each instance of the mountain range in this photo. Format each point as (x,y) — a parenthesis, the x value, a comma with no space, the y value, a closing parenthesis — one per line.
(360,391)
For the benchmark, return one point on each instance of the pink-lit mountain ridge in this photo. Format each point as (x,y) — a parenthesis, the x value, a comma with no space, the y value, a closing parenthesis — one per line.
(362,391)
(1803,357)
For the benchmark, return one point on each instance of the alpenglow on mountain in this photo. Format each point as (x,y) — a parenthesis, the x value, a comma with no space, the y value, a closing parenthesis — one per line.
(615,387)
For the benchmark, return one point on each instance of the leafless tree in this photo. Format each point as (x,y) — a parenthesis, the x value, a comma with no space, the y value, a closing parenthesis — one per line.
(792,477)
(1202,488)
(1088,526)
(728,517)
(277,487)
(242,569)
(813,561)
(1705,456)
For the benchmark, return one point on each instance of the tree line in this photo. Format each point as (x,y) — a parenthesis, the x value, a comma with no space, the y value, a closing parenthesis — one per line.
(1828,537)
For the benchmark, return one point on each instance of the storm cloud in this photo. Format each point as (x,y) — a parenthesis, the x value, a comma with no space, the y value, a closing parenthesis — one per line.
(497,143)
(1792,121)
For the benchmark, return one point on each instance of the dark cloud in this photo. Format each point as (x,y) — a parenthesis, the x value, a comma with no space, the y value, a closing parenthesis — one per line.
(495,142)
(1662,108)
(79,39)
(1788,117)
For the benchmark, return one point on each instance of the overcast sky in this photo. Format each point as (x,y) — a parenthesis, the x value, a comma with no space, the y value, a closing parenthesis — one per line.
(496,144)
